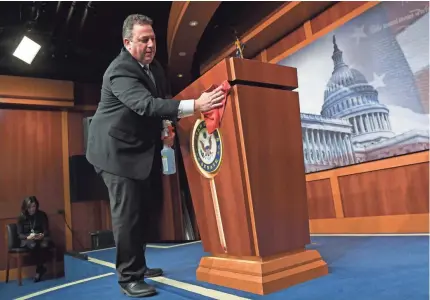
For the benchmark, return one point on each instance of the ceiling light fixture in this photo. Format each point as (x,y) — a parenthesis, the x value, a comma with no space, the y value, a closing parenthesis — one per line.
(27,50)
(180,75)
(182,53)
(193,23)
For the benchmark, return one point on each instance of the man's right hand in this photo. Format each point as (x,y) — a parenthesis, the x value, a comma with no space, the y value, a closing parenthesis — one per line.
(209,100)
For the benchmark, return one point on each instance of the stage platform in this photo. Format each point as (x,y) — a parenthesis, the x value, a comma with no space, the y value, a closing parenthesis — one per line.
(361,267)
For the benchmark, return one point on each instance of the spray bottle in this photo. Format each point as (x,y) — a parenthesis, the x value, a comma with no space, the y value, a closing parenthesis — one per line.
(167,153)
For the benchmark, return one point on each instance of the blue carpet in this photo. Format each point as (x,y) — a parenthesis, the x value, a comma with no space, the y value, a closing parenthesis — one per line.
(107,288)
(12,290)
(391,268)
(360,268)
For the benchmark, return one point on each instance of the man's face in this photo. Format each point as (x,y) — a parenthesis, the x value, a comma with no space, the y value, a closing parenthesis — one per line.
(142,45)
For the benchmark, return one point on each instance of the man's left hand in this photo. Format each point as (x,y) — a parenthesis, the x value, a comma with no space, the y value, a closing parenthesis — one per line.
(169,141)
(39,236)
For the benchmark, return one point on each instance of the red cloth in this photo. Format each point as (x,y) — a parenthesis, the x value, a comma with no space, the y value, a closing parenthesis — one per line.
(213,117)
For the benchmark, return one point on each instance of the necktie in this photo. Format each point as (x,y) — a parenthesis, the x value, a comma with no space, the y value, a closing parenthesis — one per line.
(149,73)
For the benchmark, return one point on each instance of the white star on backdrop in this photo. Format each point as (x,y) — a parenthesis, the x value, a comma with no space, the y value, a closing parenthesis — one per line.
(358,34)
(378,81)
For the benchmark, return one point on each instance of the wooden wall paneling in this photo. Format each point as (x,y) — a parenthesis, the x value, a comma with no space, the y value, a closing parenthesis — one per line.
(336,13)
(263,55)
(30,160)
(320,199)
(31,164)
(397,224)
(36,91)
(87,217)
(384,196)
(337,198)
(308,29)
(297,37)
(393,191)
(66,180)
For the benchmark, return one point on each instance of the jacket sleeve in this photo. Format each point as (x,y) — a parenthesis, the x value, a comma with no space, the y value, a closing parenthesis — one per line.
(20,229)
(127,87)
(45,224)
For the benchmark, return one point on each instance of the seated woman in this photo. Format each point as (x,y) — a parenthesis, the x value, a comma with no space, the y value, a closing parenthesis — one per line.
(33,231)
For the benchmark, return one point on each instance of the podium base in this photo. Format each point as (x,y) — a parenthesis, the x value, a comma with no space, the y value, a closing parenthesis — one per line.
(262,276)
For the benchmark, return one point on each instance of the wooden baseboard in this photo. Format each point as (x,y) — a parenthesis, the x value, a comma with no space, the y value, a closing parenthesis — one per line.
(413,223)
(30,271)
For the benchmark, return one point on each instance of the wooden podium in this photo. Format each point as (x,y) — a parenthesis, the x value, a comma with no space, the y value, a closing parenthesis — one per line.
(247,180)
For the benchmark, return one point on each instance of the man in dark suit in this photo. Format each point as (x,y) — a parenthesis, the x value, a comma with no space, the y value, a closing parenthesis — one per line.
(124,139)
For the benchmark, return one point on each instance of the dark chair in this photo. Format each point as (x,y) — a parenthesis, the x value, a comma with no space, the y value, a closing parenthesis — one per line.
(102,239)
(14,251)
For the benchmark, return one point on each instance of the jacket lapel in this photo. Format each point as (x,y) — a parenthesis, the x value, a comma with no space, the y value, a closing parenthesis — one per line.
(145,77)
(148,80)
(158,79)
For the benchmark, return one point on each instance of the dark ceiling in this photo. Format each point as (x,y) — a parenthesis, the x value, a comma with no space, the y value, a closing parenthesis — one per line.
(79,39)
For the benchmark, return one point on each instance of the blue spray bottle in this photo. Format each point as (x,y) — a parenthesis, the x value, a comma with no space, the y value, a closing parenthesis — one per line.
(167,153)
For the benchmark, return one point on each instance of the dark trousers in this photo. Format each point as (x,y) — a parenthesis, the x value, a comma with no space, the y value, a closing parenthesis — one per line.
(130,202)
(37,248)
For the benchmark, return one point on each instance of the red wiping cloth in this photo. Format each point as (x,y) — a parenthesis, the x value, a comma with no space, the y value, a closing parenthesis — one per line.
(213,117)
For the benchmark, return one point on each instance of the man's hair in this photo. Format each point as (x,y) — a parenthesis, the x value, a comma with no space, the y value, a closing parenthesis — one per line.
(130,21)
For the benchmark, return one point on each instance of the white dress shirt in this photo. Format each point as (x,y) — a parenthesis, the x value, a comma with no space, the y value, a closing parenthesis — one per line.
(186,107)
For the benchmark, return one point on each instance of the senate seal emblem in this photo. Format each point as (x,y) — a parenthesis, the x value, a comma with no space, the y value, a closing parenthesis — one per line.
(206,149)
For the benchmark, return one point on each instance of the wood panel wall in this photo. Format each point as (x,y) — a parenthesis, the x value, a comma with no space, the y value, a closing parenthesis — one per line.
(40,127)
(384,196)
(30,164)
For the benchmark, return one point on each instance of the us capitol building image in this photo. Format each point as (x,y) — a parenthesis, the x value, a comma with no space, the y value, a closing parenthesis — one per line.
(353,126)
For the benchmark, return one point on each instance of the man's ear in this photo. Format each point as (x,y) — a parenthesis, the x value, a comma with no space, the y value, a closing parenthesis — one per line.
(126,43)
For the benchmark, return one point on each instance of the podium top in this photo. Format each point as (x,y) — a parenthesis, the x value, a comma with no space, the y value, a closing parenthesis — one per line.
(239,71)
(258,73)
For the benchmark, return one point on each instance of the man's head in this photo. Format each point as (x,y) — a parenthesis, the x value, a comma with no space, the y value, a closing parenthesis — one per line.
(139,38)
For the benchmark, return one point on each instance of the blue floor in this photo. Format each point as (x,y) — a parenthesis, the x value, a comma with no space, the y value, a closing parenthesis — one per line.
(391,268)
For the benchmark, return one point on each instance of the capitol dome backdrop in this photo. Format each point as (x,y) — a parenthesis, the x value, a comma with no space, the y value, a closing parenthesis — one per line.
(364,88)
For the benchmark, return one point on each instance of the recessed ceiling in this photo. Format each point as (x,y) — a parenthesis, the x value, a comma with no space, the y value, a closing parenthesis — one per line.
(80,39)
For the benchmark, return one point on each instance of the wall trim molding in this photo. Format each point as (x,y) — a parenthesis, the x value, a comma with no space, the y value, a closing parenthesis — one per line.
(371,166)
(66,181)
(412,223)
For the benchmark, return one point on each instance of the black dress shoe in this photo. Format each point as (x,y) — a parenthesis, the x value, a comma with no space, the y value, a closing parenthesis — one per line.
(40,271)
(153,272)
(138,289)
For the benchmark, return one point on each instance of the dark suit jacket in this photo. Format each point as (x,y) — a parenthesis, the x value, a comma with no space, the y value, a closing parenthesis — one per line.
(125,132)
